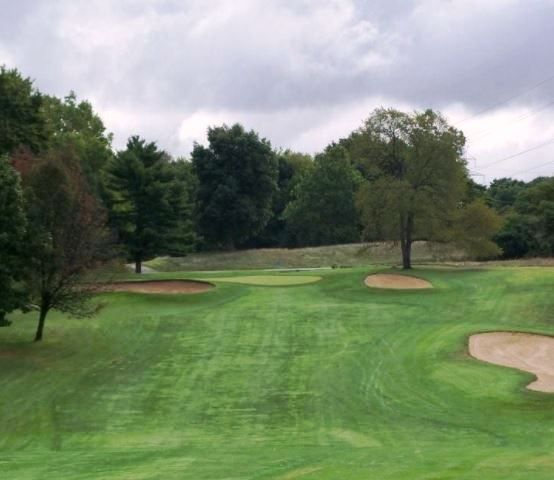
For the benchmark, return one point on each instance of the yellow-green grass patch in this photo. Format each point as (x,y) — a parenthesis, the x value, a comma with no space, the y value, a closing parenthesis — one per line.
(269,280)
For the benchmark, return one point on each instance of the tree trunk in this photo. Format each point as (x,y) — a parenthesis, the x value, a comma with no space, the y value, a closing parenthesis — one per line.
(406,255)
(3,321)
(138,264)
(406,240)
(41,319)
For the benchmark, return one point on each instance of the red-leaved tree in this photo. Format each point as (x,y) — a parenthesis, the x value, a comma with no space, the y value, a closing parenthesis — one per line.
(66,238)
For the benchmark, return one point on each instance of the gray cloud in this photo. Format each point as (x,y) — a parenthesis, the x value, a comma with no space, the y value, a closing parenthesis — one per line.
(302,72)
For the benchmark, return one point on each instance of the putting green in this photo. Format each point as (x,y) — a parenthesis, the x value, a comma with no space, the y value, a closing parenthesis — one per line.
(269,280)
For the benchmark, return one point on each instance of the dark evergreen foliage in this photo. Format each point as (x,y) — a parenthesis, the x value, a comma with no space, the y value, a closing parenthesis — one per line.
(237,175)
(149,202)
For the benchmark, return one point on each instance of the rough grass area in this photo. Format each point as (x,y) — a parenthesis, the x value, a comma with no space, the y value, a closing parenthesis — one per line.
(336,255)
(324,381)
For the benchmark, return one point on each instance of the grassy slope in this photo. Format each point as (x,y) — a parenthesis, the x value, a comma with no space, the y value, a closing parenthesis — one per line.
(335,255)
(328,380)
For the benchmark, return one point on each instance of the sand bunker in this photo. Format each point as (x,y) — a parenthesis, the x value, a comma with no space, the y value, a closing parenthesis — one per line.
(524,351)
(404,282)
(159,286)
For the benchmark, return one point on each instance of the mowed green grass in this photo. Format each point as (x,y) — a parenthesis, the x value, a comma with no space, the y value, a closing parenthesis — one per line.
(328,380)
(268,280)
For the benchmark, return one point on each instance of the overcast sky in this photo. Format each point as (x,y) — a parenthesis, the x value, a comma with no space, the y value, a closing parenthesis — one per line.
(300,72)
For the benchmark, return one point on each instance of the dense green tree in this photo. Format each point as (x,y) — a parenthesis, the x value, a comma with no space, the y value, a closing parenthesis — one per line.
(22,121)
(476,191)
(516,238)
(12,239)
(323,210)
(66,237)
(186,179)
(181,235)
(537,203)
(237,175)
(528,209)
(148,202)
(75,123)
(503,193)
(291,166)
(381,145)
(185,173)
(418,179)
(473,227)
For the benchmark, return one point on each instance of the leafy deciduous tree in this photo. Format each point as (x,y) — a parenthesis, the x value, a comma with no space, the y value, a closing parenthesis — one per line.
(503,192)
(12,237)
(473,228)
(21,117)
(74,123)
(237,176)
(516,237)
(66,237)
(418,180)
(292,166)
(530,227)
(323,210)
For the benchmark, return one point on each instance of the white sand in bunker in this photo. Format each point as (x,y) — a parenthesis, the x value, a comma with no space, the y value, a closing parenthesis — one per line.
(159,286)
(401,282)
(523,351)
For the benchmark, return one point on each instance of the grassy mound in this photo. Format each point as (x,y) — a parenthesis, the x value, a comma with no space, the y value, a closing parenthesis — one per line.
(311,257)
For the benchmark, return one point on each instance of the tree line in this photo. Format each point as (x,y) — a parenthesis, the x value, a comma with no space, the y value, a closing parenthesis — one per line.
(70,202)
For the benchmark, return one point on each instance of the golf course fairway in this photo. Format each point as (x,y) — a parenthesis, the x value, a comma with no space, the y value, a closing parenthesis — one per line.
(329,380)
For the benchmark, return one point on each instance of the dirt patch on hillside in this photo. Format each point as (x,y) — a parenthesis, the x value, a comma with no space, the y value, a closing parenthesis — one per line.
(159,286)
(403,282)
(523,351)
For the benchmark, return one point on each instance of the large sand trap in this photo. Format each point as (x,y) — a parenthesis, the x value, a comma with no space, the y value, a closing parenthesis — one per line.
(159,286)
(404,282)
(524,351)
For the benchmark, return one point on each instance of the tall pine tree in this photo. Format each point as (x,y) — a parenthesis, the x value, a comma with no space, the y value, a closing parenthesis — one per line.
(149,203)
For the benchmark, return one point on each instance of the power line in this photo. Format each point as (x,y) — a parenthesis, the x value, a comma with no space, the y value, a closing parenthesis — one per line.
(484,133)
(496,162)
(533,168)
(509,99)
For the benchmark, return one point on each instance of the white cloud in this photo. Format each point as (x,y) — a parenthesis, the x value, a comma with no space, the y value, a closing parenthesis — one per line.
(504,132)
(301,72)
(5,57)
